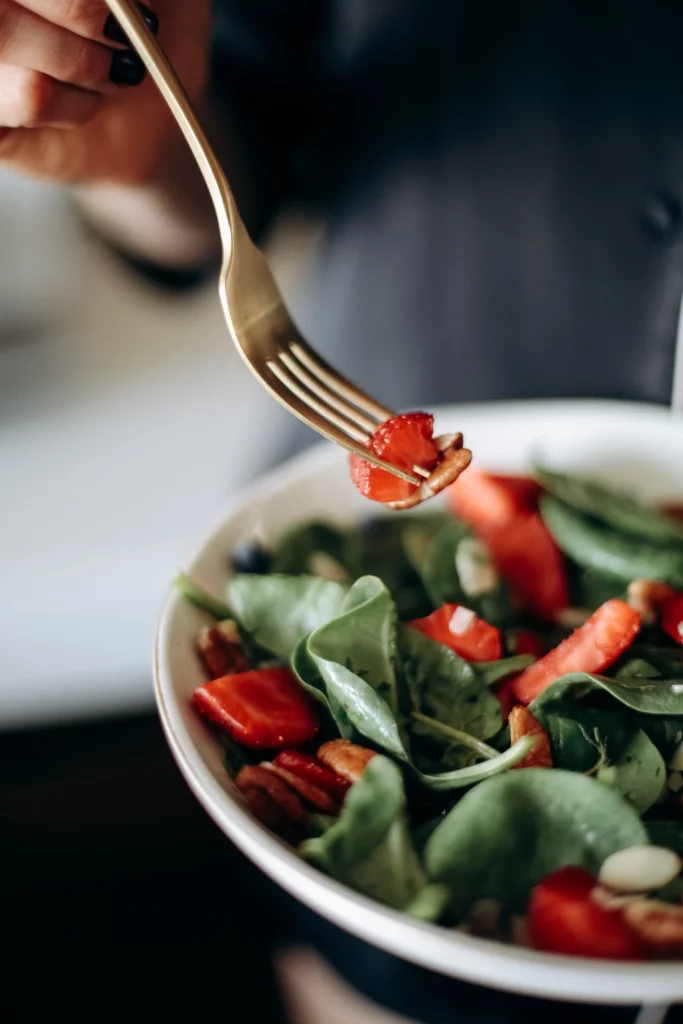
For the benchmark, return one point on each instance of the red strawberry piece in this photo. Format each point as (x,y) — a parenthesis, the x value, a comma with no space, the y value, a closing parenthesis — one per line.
(404,441)
(592,647)
(261,709)
(563,918)
(460,629)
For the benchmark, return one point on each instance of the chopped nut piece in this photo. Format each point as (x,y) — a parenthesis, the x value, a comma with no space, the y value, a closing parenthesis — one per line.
(452,461)
(523,723)
(345,758)
(273,802)
(657,924)
(220,650)
(314,795)
(639,869)
(646,597)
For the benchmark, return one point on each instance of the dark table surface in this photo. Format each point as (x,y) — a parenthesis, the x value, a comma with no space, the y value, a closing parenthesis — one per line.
(121,894)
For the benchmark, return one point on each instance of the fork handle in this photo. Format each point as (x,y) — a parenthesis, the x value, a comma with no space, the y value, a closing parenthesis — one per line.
(155,60)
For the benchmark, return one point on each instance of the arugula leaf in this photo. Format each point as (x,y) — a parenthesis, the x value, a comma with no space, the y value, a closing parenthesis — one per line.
(506,834)
(619,511)
(640,773)
(599,548)
(277,611)
(648,696)
(370,849)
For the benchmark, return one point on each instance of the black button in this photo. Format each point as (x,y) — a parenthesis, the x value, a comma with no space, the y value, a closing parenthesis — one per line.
(662,217)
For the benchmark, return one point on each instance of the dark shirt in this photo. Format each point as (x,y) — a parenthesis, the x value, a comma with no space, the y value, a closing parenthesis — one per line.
(500,186)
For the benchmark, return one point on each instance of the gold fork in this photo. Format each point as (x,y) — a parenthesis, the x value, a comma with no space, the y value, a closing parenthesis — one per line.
(262,329)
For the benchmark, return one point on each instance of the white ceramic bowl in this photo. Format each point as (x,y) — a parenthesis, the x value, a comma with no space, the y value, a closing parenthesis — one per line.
(623,443)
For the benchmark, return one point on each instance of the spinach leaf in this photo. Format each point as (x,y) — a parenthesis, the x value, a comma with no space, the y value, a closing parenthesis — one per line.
(201,598)
(378,548)
(295,551)
(509,832)
(417,537)
(444,686)
(648,696)
(449,565)
(668,661)
(599,548)
(637,668)
(370,849)
(619,511)
(589,589)
(640,773)
(349,665)
(584,739)
(493,672)
(277,611)
(668,834)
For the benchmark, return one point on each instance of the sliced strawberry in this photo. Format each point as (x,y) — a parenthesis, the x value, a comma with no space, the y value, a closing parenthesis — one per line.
(313,770)
(262,709)
(487,502)
(460,629)
(562,918)
(672,616)
(502,511)
(532,563)
(592,647)
(524,489)
(523,723)
(404,441)
(525,641)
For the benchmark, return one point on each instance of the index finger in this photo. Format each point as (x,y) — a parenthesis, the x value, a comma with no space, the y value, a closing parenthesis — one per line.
(88,18)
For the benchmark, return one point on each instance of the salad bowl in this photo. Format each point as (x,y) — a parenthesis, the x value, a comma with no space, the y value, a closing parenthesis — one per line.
(624,445)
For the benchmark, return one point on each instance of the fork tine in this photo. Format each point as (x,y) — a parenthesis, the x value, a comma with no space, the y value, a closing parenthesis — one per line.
(334,380)
(315,401)
(275,379)
(331,398)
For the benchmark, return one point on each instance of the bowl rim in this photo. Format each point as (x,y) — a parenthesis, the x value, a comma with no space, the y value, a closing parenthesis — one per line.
(479,961)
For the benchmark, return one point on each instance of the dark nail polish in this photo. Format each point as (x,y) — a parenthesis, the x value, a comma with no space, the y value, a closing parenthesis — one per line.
(112,29)
(126,68)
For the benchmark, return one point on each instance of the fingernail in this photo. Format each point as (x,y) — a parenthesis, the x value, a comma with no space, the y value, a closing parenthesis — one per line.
(112,29)
(126,68)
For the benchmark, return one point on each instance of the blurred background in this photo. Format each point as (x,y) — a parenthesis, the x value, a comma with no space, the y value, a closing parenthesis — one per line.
(114,395)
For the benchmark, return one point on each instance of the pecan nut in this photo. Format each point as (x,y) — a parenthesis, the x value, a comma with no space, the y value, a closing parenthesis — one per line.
(658,925)
(345,758)
(647,597)
(220,650)
(523,723)
(314,795)
(453,459)
(273,802)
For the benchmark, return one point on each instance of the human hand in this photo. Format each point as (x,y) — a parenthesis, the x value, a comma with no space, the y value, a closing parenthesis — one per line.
(75,106)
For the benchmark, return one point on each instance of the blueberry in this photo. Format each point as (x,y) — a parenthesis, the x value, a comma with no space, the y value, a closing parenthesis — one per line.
(252,557)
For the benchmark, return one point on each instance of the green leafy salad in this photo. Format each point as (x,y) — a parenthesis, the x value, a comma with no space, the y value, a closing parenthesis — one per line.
(474,716)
